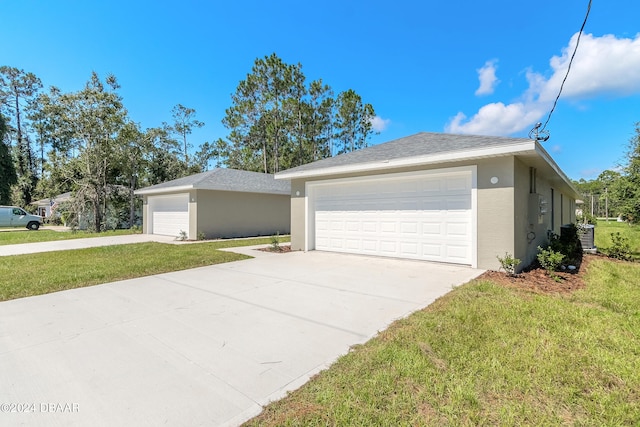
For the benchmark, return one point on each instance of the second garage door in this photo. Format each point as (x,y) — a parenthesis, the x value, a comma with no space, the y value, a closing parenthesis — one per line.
(427,215)
(169,214)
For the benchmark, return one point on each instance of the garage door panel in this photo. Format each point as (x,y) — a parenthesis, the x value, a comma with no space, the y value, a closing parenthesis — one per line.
(409,249)
(431,251)
(410,228)
(169,215)
(461,229)
(388,247)
(418,217)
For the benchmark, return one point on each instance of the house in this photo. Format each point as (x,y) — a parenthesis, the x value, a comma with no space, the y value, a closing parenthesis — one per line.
(459,199)
(217,204)
(59,208)
(46,207)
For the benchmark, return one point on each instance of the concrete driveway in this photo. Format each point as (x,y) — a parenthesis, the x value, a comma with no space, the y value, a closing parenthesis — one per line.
(207,346)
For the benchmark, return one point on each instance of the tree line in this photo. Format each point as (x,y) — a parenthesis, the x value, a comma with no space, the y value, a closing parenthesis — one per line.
(52,142)
(615,193)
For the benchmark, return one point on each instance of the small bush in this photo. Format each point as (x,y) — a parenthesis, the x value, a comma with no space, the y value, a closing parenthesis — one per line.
(587,218)
(182,236)
(620,247)
(201,235)
(550,260)
(509,263)
(275,243)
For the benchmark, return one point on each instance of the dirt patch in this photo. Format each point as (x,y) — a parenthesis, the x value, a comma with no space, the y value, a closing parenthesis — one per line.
(537,280)
(279,250)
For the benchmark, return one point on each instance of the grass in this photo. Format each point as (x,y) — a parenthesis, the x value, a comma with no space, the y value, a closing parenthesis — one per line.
(603,235)
(16,236)
(36,274)
(488,355)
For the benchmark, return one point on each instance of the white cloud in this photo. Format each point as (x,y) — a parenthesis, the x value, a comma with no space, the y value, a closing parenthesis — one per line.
(603,66)
(496,119)
(379,124)
(487,77)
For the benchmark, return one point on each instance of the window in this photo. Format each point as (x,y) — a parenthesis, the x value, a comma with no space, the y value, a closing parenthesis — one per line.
(18,211)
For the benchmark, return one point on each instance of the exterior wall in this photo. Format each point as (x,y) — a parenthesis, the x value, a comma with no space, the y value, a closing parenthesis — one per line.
(235,214)
(193,215)
(495,205)
(146,225)
(298,218)
(496,222)
(523,227)
(547,210)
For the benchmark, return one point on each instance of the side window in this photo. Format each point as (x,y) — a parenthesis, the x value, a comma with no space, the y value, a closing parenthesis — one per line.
(18,211)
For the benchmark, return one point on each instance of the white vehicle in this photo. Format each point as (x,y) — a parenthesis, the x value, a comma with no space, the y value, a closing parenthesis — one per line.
(12,216)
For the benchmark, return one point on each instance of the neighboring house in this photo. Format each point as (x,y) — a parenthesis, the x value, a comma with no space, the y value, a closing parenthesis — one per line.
(450,198)
(57,208)
(218,203)
(46,207)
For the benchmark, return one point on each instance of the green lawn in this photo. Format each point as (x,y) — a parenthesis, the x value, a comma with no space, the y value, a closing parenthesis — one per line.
(35,274)
(488,355)
(22,235)
(603,235)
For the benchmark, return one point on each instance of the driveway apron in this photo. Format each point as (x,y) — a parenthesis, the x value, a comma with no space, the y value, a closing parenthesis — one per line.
(206,346)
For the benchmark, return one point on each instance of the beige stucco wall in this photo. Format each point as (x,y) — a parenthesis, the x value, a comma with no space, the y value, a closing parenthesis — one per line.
(532,228)
(496,222)
(235,214)
(298,199)
(522,223)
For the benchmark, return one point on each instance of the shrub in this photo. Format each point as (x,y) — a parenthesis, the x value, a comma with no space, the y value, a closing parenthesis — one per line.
(587,218)
(620,247)
(550,260)
(568,243)
(508,263)
(182,236)
(275,242)
(201,235)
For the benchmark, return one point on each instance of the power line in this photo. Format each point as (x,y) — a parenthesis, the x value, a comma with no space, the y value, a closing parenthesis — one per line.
(569,67)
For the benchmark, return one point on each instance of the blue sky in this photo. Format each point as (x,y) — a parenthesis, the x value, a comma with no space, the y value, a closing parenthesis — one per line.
(490,67)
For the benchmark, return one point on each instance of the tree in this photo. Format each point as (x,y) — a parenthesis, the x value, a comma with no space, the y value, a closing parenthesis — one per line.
(93,119)
(130,164)
(215,150)
(256,117)
(627,190)
(277,122)
(17,90)
(8,175)
(353,119)
(320,120)
(185,121)
(161,156)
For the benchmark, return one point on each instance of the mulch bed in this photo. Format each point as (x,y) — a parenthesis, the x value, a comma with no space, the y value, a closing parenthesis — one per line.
(537,280)
(280,250)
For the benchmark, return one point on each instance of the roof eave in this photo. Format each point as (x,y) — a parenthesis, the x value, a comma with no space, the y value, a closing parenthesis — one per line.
(151,190)
(451,156)
(547,158)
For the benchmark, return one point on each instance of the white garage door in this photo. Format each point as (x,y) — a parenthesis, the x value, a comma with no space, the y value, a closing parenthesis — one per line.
(169,214)
(427,216)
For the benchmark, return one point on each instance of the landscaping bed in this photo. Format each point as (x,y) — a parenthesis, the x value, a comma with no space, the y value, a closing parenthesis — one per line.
(536,278)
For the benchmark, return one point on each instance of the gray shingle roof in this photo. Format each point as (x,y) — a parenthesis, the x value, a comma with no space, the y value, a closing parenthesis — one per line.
(420,144)
(224,180)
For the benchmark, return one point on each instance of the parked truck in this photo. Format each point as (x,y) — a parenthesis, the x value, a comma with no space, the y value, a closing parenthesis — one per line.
(13,216)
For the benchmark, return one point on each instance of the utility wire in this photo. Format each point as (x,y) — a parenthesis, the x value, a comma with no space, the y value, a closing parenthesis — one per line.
(569,67)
